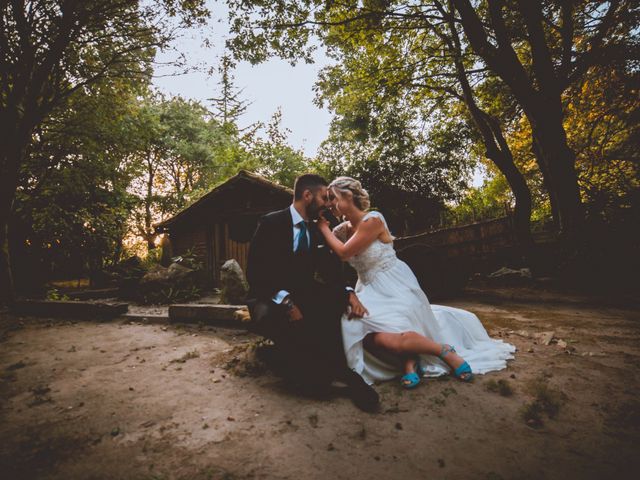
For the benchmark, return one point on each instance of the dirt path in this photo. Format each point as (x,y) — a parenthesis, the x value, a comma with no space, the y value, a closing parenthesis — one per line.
(131,401)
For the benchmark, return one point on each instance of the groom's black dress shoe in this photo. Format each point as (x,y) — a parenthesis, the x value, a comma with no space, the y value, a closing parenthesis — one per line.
(362,395)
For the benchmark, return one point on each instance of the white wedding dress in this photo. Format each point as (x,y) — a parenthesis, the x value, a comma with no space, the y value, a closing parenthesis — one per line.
(390,292)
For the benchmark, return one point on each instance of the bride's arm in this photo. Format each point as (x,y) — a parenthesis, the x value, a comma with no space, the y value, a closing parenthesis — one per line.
(367,232)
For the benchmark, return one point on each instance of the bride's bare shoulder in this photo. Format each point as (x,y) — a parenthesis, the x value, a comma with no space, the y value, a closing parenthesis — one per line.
(374,217)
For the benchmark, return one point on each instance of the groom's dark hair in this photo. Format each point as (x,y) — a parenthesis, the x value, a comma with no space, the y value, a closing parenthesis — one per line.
(308,181)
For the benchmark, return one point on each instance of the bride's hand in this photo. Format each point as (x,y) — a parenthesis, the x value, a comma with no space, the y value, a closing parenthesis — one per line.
(323,223)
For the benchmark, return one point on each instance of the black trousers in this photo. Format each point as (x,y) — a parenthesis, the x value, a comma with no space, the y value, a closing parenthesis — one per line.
(312,347)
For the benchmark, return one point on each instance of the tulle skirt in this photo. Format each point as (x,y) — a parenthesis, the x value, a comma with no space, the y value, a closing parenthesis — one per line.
(397,304)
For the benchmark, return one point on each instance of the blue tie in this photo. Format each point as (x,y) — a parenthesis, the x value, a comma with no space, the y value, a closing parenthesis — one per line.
(303,241)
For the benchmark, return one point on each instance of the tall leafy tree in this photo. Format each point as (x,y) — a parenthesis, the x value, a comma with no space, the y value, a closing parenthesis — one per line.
(421,63)
(229,104)
(72,204)
(53,48)
(537,48)
(540,49)
(274,157)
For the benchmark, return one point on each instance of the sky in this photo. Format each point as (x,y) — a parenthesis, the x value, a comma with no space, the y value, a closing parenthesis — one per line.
(267,86)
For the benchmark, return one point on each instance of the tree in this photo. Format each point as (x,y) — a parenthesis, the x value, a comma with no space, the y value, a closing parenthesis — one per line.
(71,207)
(420,62)
(539,49)
(53,48)
(182,151)
(274,157)
(409,172)
(230,105)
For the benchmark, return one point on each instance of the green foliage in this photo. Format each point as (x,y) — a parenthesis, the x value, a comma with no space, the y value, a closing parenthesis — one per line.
(398,57)
(171,295)
(117,159)
(189,259)
(492,200)
(54,294)
(152,258)
(64,65)
(72,203)
(274,158)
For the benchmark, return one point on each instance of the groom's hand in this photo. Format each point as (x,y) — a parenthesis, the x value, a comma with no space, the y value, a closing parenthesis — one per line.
(356,309)
(295,315)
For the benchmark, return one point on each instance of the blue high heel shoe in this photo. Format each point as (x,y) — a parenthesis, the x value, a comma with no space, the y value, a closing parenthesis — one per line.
(463,372)
(413,378)
(410,380)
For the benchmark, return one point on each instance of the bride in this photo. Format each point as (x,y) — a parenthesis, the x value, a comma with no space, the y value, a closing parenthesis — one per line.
(402,332)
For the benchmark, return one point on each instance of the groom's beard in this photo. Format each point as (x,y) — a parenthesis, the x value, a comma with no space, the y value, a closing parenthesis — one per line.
(313,211)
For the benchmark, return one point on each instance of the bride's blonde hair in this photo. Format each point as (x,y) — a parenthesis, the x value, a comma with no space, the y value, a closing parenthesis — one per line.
(353,187)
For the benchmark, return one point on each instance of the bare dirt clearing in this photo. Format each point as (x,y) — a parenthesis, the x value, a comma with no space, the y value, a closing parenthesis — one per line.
(83,400)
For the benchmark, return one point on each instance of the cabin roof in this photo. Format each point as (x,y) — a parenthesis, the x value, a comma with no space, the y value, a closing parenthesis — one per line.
(242,179)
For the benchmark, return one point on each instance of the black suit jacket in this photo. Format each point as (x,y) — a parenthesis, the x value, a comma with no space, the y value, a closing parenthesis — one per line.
(273,266)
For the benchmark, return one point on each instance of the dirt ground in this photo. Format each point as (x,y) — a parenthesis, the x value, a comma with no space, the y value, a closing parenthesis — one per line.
(122,400)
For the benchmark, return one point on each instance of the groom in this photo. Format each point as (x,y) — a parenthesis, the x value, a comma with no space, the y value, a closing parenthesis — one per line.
(297,294)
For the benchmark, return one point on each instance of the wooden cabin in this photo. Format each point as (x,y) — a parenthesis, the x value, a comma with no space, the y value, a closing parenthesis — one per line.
(219,225)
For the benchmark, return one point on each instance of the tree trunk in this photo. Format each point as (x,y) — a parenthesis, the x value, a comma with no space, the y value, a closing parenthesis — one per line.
(546,177)
(540,100)
(559,161)
(501,155)
(150,237)
(11,155)
(497,150)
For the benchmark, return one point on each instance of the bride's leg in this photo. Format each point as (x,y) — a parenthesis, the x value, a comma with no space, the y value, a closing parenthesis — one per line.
(409,367)
(414,343)
(409,364)
(408,361)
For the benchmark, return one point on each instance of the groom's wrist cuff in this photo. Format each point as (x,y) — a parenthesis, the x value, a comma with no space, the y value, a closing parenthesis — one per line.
(280,296)
(348,290)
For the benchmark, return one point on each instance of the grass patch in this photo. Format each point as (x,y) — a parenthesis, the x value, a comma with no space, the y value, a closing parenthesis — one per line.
(503,387)
(448,391)
(186,356)
(546,401)
(252,359)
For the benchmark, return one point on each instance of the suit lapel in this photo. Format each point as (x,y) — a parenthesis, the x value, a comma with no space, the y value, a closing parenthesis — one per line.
(315,236)
(287,229)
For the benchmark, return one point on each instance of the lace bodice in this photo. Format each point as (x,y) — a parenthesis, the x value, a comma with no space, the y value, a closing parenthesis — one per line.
(378,256)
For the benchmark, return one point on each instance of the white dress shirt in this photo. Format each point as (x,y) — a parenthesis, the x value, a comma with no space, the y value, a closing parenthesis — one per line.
(296,218)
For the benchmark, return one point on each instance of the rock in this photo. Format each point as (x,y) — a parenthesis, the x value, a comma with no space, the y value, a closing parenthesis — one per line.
(178,272)
(545,338)
(242,315)
(509,276)
(562,344)
(523,333)
(167,285)
(234,284)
